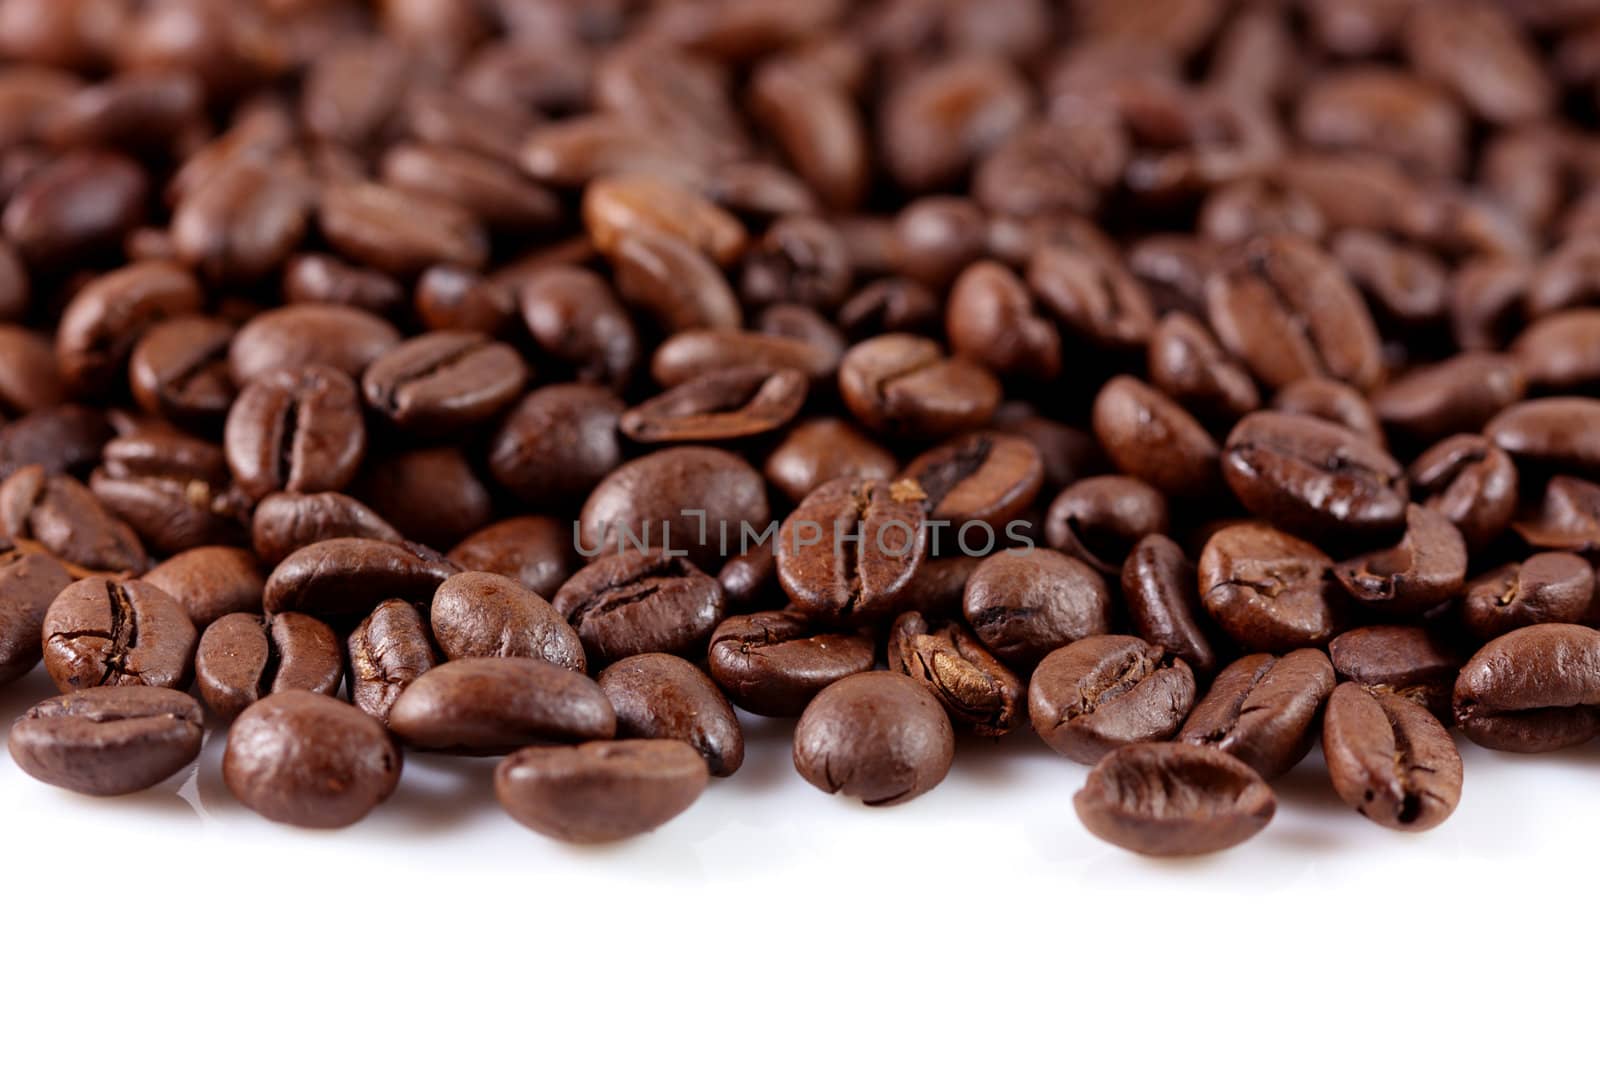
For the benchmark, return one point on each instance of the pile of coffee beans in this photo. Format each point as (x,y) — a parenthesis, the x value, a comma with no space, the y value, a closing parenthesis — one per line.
(1186,382)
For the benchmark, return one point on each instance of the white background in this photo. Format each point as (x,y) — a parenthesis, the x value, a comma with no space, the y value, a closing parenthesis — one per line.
(774,924)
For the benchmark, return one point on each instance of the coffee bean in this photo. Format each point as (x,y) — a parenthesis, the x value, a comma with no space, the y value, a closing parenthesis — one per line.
(1479,53)
(1092,294)
(456,299)
(1187,363)
(57,513)
(1457,395)
(476,615)
(1252,207)
(73,205)
(298,430)
(107,632)
(878,737)
(493,192)
(179,371)
(902,385)
(1547,587)
(936,121)
(574,315)
(1568,518)
(559,442)
(774,662)
(534,550)
(284,522)
(677,284)
(1151,438)
(799,260)
(693,353)
(108,316)
(1390,759)
(1024,605)
(634,602)
(443,382)
(602,791)
(210,581)
(978,691)
(819,128)
(300,335)
(29,380)
(498,704)
(316,278)
(624,204)
(990,319)
(689,499)
(750,579)
(890,306)
(388,650)
(1047,167)
(1560,434)
(1424,570)
(242,223)
(719,405)
(1100,519)
(1536,689)
(1101,692)
(1159,588)
(108,741)
(1471,482)
(1267,590)
(345,576)
(1412,661)
(431,495)
(309,760)
(661,696)
(1173,800)
(29,582)
(397,231)
(822,449)
(59,439)
(1559,353)
(243,657)
(849,549)
(1261,710)
(987,478)
(171,488)
(1333,402)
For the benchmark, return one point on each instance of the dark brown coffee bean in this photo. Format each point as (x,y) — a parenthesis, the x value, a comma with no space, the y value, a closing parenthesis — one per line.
(822,449)
(575,151)
(58,439)
(719,405)
(1561,352)
(936,122)
(1424,570)
(29,380)
(1148,436)
(108,741)
(819,128)
(558,443)
(75,205)
(903,385)
(990,319)
(499,704)
(849,548)
(309,760)
(1187,364)
(105,632)
(889,306)
(444,382)
(300,335)
(454,298)
(1048,167)
(1313,477)
(492,191)
(634,602)
(174,490)
(661,696)
(575,317)
(244,656)
(1334,402)
(1287,310)
(1545,587)
(316,278)
(935,237)
(1262,709)
(1477,51)
(750,579)
(477,615)
(397,231)
(756,189)
(879,737)
(179,371)
(774,662)
(978,691)
(1252,207)
(1412,661)
(1536,689)
(682,94)
(242,223)
(693,353)
(1100,519)
(799,260)
(388,650)
(1390,759)
(1568,518)
(1382,110)
(534,550)
(1458,395)
(1159,587)
(1093,294)
(1106,691)
(624,204)
(679,286)
(107,317)
(1557,434)
(210,581)
(1174,269)
(284,522)
(1471,482)
(602,791)
(1024,605)
(300,430)
(29,582)
(1173,800)
(1267,590)
(431,495)
(57,513)
(983,478)
(345,576)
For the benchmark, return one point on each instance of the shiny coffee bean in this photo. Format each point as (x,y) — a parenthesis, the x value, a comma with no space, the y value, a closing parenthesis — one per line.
(345,576)
(903,385)
(634,602)
(243,657)
(444,382)
(822,449)
(179,371)
(1093,295)
(661,696)
(431,495)
(602,791)
(1262,709)
(534,550)
(774,662)
(59,439)
(397,231)
(1102,692)
(1545,587)
(57,513)
(981,478)
(1186,362)
(558,443)
(1100,519)
(317,278)
(1457,395)
(1560,434)
(1169,799)
(29,583)
(291,338)
(1025,605)
(1390,759)
(1536,689)
(499,704)
(296,430)
(1469,481)
(284,522)
(108,741)
(1333,402)
(1267,590)
(850,547)
(1424,570)
(692,353)
(575,316)
(879,737)
(1149,437)
(477,615)
(1413,661)
(106,318)
(388,650)
(210,581)
(990,319)
(1160,592)
(108,632)
(978,691)
(456,299)
(720,405)
(1567,518)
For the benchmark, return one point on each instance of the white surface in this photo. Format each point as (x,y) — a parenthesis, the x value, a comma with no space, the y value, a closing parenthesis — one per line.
(772,923)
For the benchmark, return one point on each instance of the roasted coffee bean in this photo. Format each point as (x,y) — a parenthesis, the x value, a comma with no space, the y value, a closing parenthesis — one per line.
(1412,661)
(978,691)
(574,315)
(1174,269)
(1559,434)
(309,760)
(1286,308)
(822,449)
(1149,437)
(1568,518)
(774,662)
(300,335)
(750,579)
(1187,363)
(1100,519)
(29,582)
(575,151)
(1471,482)
(1262,709)
(243,657)
(1487,302)
(623,204)
(1331,401)
(1049,167)
(171,488)
(1458,395)
(1545,587)
(879,737)
(29,379)
(1312,477)
(108,632)
(1477,51)
(431,495)
(1024,605)
(935,122)
(1560,352)
(718,405)
(345,576)
(1424,570)
(210,581)
(108,741)
(107,317)
(889,306)
(602,791)
(534,550)
(1102,692)
(633,602)
(57,513)
(74,205)
(1068,453)
(493,192)
(316,278)
(903,385)
(179,371)
(1173,800)
(1536,689)
(990,319)
(398,231)
(1252,207)
(799,260)
(818,126)
(661,696)
(454,298)
(1408,284)
(691,354)
(850,547)
(679,285)
(1092,294)
(477,615)
(984,478)
(59,439)
(1390,759)
(557,443)
(1160,591)
(499,704)
(284,522)
(299,430)
(388,650)
(1267,590)
(444,382)
(935,237)
(242,223)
